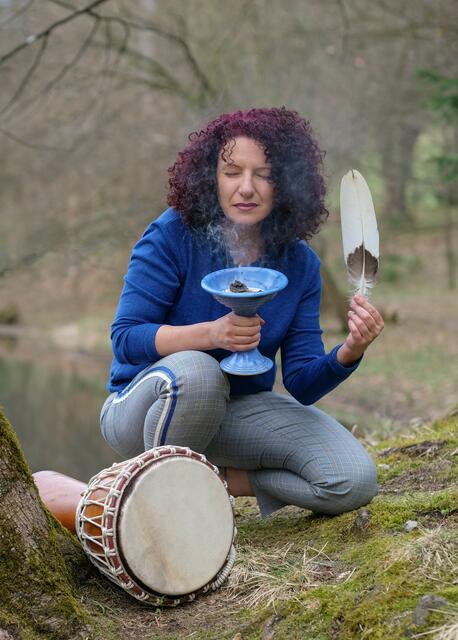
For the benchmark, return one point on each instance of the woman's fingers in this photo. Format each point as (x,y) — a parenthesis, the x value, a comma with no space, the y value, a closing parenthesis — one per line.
(245,347)
(247,339)
(242,321)
(245,331)
(243,343)
(359,325)
(242,327)
(365,324)
(242,333)
(236,333)
(355,333)
(368,314)
(363,314)
(365,309)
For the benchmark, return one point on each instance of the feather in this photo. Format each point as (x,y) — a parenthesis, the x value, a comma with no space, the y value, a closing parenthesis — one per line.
(359,232)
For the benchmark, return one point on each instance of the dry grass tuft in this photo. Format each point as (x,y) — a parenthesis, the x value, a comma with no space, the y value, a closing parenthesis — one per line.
(448,630)
(434,551)
(260,577)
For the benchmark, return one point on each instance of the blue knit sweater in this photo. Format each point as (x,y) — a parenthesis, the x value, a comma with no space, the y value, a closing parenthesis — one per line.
(162,286)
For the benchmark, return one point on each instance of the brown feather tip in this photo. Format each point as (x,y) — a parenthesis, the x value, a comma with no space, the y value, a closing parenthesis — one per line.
(355,260)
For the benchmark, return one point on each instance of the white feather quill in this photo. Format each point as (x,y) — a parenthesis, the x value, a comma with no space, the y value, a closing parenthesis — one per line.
(359,232)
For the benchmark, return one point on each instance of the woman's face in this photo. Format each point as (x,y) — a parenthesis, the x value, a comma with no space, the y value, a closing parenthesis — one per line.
(245,192)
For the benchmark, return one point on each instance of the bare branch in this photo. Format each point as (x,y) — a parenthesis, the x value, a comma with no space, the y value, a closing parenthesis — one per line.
(28,75)
(233,26)
(151,84)
(162,78)
(30,145)
(80,139)
(120,46)
(52,83)
(346,24)
(46,32)
(80,53)
(179,40)
(152,66)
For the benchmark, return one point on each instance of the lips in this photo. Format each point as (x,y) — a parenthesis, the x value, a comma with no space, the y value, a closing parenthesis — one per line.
(246,206)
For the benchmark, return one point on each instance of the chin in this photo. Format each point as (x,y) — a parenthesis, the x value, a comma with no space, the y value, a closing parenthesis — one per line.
(244,222)
(244,219)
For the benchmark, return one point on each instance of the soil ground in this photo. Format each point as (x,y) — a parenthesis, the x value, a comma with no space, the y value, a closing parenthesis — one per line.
(360,580)
(359,575)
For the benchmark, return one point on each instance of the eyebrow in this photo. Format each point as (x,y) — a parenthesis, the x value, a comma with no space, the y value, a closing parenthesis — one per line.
(233,164)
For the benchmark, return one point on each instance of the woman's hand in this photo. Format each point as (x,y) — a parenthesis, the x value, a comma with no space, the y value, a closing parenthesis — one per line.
(235,333)
(365,324)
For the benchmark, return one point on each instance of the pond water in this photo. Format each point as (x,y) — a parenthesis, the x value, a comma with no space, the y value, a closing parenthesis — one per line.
(53,401)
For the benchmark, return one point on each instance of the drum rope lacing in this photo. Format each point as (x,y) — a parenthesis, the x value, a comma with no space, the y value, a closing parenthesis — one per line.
(111,565)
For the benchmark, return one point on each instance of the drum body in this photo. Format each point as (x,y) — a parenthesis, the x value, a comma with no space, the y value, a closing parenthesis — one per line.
(160,525)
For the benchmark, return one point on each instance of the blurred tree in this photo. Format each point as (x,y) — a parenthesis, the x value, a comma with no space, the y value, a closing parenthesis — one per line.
(39,560)
(444,102)
(102,107)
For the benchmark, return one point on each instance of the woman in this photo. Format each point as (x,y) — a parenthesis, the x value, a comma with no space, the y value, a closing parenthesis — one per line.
(244,191)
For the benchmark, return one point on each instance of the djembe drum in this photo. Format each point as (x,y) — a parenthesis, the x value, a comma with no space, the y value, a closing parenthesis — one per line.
(160,525)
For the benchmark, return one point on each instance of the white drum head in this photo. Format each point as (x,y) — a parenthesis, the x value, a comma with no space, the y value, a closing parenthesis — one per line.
(175,526)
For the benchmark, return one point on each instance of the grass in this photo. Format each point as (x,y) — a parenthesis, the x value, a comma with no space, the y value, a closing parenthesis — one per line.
(434,551)
(323,577)
(448,630)
(301,576)
(409,372)
(260,578)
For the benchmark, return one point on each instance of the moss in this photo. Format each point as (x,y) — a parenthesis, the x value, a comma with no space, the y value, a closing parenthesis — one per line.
(379,599)
(442,429)
(371,596)
(35,581)
(376,603)
(41,580)
(391,512)
(10,445)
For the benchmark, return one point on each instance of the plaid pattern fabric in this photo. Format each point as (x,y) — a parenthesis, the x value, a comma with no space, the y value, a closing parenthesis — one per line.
(294,454)
(181,398)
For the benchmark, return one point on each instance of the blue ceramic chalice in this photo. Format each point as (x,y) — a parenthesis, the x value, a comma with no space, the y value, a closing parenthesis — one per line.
(263,285)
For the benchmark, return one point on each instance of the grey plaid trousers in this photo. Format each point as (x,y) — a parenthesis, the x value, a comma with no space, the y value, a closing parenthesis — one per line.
(294,454)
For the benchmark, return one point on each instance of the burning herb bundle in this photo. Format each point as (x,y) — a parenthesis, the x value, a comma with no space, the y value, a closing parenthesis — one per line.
(240,287)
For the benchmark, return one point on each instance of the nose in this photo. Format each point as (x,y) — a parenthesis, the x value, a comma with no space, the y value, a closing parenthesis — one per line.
(246,188)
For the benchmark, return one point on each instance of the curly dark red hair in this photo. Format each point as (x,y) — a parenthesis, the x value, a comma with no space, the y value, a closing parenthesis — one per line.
(296,161)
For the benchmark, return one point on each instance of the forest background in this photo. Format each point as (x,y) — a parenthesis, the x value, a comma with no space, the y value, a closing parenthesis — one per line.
(96,99)
(95,110)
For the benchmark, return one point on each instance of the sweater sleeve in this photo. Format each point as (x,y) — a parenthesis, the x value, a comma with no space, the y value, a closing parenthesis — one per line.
(308,372)
(150,288)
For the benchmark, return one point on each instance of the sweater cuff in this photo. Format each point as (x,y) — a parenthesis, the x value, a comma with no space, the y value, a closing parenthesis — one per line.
(149,342)
(339,368)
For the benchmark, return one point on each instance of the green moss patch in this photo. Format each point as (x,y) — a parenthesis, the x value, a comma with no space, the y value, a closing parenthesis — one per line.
(301,576)
(36,595)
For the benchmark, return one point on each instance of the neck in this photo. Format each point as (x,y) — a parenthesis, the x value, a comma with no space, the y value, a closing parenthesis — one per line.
(244,243)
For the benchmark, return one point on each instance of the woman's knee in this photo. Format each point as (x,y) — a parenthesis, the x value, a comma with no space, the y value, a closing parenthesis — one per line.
(363,485)
(353,488)
(126,442)
(199,373)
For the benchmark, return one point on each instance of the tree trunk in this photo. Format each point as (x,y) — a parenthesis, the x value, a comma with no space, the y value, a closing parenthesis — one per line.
(333,298)
(449,196)
(397,157)
(39,560)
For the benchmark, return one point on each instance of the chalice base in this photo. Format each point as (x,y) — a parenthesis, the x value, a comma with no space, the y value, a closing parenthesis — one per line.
(246,363)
